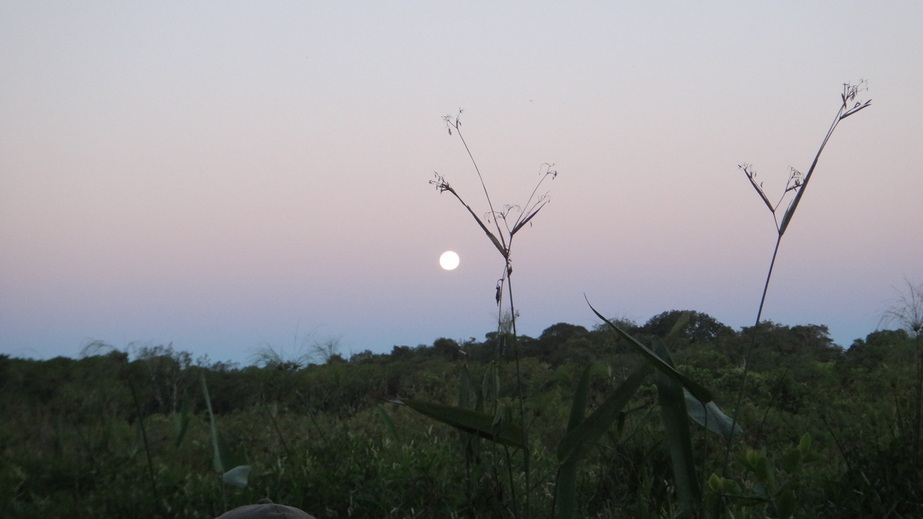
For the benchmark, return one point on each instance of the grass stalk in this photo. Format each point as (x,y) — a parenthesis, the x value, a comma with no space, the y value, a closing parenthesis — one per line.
(797,184)
(501,231)
(520,397)
(147,447)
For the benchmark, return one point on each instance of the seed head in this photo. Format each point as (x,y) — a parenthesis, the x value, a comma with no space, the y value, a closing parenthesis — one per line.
(440,182)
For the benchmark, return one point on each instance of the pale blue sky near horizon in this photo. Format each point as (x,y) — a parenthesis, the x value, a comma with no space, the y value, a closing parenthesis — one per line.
(228,175)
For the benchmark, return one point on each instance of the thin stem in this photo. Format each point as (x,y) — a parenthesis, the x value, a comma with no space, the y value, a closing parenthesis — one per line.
(848,95)
(747,357)
(490,204)
(839,445)
(919,402)
(504,242)
(520,397)
(529,210)
(147,448)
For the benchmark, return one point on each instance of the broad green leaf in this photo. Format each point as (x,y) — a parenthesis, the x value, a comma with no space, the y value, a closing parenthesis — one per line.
(804,445)
(219,447)
(481,424)
(711,417)
(181,423)
(576,442)
(578,405)
(696,389)
(565,489)
(676,425)
(566,485)
(785,503)
(237,476)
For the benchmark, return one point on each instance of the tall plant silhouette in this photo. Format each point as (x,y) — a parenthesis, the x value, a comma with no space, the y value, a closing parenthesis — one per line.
(583,429)
(794,191)
(497,224)
(501,227)
(798,182)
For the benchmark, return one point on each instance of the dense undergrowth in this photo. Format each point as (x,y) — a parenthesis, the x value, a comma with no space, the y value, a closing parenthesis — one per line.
(113,435)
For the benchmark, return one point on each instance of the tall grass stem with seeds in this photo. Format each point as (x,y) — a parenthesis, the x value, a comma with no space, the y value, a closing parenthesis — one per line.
(795,188)
(500,228)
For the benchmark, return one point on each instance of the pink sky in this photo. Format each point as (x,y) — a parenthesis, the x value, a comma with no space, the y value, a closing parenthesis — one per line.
(229,175)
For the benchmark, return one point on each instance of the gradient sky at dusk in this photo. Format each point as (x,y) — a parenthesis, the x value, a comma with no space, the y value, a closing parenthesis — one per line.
(228,175)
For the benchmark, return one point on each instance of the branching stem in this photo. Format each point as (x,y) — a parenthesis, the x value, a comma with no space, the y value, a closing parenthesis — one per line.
(503,242)
(845,110)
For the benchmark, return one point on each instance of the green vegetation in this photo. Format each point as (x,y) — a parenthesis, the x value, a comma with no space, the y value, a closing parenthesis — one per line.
(622,420)
(828,432)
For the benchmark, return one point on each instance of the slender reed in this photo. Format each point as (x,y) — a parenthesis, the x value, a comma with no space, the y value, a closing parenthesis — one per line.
(796,186)
(501,228)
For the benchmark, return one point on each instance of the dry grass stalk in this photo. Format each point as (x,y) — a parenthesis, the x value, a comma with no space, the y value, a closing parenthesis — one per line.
(795,187)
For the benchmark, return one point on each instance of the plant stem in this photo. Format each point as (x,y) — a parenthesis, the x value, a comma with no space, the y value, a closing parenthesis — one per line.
(844,111)
(919,402)
(747,357)
(753,333)
(490,204)
(147,448)
(520,396)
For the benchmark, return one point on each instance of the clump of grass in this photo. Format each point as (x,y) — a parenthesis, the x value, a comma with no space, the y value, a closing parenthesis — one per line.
(907,312)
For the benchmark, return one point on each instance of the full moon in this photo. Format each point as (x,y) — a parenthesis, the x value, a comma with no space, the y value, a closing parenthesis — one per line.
(448,260)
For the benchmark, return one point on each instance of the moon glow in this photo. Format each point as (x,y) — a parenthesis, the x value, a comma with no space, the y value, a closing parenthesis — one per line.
(448,260)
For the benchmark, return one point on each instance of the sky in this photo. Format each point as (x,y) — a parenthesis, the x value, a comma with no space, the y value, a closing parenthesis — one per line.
(225,176)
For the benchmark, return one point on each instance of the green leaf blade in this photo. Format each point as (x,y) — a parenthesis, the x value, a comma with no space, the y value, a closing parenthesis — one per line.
(676,425)
(712,417)
(577,441)
(699,391)
(237,476)
(481,424)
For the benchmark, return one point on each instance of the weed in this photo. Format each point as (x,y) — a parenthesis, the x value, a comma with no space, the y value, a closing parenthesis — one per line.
(500,227)
(794,190)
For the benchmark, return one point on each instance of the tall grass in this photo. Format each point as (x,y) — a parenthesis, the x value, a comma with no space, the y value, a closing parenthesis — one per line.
(680,398)
(582,431)
(500,227)
(794,190)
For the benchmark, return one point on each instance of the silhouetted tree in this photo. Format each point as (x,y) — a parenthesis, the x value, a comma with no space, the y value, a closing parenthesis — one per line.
(700,327)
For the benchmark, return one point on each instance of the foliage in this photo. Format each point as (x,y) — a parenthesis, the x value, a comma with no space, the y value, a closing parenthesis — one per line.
(316,438)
